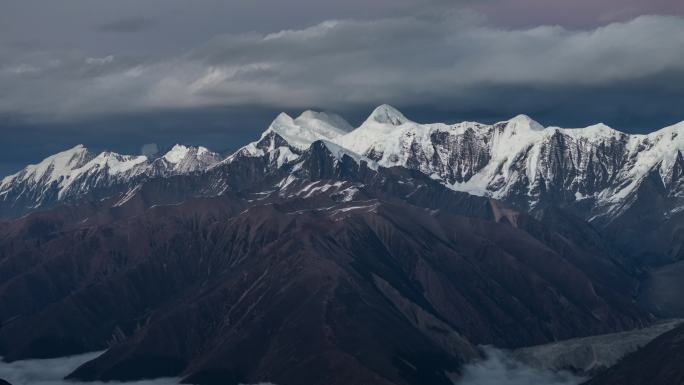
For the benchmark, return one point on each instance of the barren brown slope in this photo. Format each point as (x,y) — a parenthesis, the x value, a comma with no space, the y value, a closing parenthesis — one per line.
(393,284)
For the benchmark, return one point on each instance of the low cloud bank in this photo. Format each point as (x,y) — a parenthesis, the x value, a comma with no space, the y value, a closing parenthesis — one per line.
(501,369)
(53,371)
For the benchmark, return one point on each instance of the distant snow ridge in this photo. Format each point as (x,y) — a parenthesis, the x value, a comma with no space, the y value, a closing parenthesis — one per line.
(522,161)
(77,172)
(286,138)
(308,127)
(517,160)
(73,171)
(386,114)
(183,160)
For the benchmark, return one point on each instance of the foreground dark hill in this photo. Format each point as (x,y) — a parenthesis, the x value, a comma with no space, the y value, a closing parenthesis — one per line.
(327,270)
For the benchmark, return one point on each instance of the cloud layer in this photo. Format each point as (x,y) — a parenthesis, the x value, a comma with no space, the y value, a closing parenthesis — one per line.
(441,60)
(500,369)
(53,371)
(116,76)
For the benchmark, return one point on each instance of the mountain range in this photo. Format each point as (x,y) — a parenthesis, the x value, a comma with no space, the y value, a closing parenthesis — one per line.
(626,185)
(327,254)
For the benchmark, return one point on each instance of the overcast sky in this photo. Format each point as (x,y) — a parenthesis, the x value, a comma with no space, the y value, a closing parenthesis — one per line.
(119,74)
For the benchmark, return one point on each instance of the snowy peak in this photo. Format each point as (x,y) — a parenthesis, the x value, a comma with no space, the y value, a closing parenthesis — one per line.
(177,153)
(114,163)
(673,133)
(70,174)
(283,119)
(596,132)
(52,168)
(70,159)
(386,114)
(324,121)
(516,160)
(524,123)
(182,159)
(309,127)
(384,131)
(180,153)
(75,173)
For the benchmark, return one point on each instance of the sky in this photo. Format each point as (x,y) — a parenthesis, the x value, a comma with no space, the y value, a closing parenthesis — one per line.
(120,74)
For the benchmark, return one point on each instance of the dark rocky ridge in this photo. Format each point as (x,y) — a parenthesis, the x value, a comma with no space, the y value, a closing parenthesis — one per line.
(577,170)
(321,272)
(389,277)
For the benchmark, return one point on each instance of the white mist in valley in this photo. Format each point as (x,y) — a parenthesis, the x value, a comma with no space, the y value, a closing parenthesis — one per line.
(500,368)
(52,371)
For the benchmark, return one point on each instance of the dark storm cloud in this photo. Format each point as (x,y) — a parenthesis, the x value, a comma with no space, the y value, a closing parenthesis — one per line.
(439,61)
(134,24)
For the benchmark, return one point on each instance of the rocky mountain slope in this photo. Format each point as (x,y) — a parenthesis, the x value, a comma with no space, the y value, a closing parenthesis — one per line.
(614,180)
(628,185)
(391,250)
(327,270)
(78,173)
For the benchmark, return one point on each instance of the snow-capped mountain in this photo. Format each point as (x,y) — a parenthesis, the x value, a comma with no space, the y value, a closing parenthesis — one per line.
(322,245)
(75,173)
(286,138)
(522,162)
(69,173)
(316,229)
(596,171)
(182,160)
(629,186)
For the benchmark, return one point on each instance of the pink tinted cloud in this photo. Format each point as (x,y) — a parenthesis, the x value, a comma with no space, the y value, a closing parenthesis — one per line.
(574,13)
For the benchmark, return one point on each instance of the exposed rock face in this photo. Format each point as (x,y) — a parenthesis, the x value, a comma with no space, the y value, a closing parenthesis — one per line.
(325,255)
(327,270)
(628,186)
(521,161)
